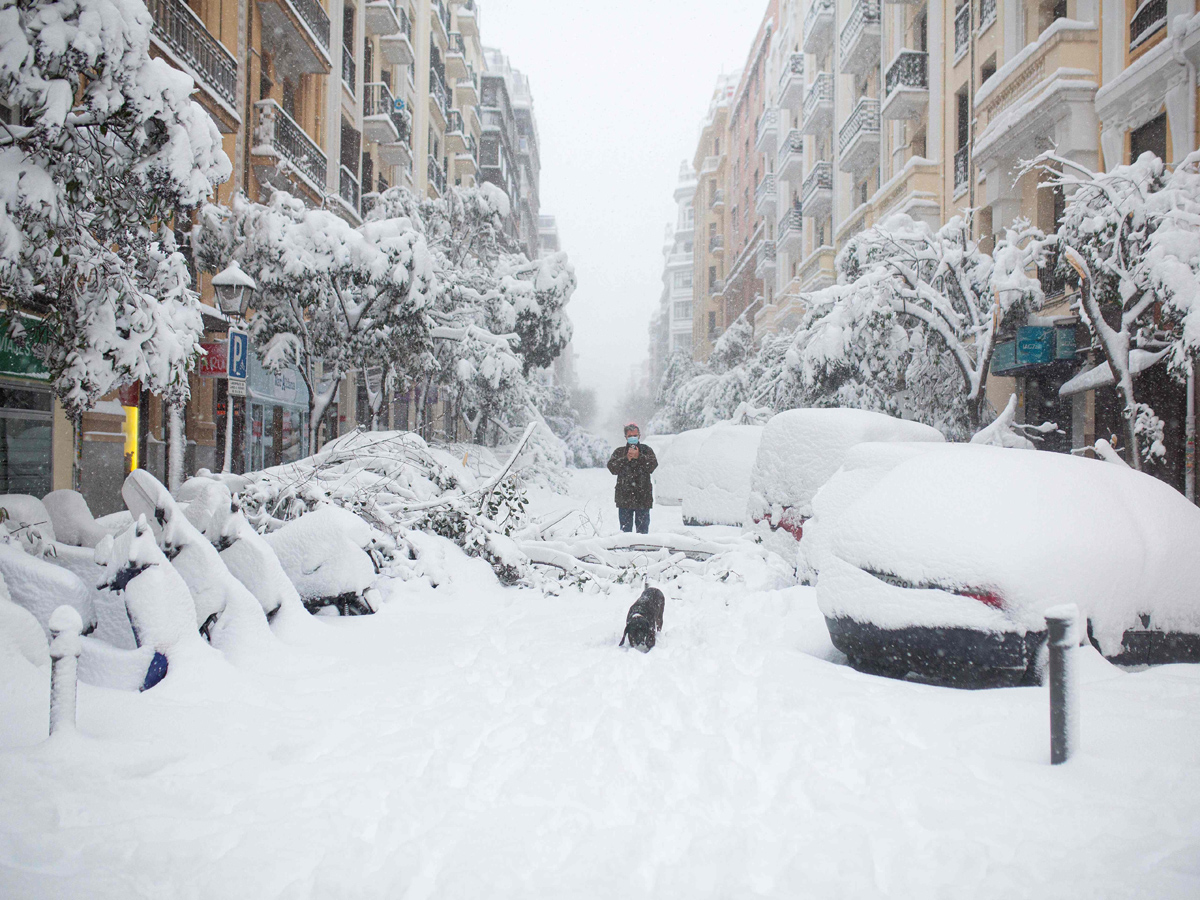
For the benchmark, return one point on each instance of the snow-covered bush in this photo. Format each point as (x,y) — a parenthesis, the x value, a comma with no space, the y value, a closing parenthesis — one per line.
(111,149)
(396,483)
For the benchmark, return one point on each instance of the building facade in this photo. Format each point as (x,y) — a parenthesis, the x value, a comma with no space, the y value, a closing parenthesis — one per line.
(333,101)
(671,327)
(930,108)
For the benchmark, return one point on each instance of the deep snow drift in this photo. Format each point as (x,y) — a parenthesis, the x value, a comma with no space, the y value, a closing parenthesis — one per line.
(477,741)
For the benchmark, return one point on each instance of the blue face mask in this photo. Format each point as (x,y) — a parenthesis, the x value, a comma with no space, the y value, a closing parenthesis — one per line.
(632,439)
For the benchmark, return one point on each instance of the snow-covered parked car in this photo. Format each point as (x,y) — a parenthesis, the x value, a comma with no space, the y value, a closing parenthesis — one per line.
(707,470)
(942,560)
(800,450)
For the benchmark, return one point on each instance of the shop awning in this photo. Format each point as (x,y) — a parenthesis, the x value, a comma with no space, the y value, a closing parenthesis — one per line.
(1102,376)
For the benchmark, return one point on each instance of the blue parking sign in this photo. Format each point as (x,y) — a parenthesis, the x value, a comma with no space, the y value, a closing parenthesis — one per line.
(239,353)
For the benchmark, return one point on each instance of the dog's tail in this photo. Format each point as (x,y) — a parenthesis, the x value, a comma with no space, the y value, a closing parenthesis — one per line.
(624,635)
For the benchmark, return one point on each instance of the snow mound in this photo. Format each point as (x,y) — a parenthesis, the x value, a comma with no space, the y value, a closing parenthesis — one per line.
(20,633)
(41,587)
(323,554)
(73,521)
(27,519)
(1033,530)
(707,471)
(800,450)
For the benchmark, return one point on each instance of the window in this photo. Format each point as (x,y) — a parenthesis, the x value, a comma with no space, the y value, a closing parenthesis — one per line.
(683,309)
(988,69)
(687,246)
(25,424)
(683,279)
(964,117)
(920,31)
(712,322)
(1150,138)
(860,193)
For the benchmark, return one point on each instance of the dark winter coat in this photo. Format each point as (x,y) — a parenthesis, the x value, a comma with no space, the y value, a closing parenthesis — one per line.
(633,477)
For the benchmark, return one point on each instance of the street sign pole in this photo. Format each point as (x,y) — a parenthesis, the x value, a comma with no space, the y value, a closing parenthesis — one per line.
(236,367)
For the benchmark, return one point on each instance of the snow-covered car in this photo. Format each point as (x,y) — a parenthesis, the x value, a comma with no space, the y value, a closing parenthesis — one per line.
(941,561)
(799,451)
(707,470)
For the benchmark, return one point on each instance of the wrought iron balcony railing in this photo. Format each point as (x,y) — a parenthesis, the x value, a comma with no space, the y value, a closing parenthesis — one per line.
(793,142)
(187,37)
(909,69)
(437,89)
(819,179)
(454,122)
(862,14)
(1147,20)
(275,132)
(987,13)
(436,176)
(863,120)
(962,30)
(962,168)
(820,9)
(348,68)
(378,101)
(457,45)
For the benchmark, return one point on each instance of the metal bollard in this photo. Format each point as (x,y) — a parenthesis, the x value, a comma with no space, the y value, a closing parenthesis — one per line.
(1064,712)
(65,647)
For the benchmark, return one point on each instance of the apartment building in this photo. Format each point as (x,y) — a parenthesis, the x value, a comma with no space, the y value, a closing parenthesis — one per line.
(671,327)
(929,108)
(711,163)
(510,155)
(333,101)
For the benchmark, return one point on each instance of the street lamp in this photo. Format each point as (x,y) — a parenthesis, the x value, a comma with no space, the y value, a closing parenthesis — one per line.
(234,289)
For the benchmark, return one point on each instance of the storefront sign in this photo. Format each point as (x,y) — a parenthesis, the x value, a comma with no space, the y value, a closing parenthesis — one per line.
(20,360)
(237,388)
(1035,345)
(1064,343)
(212,364)
(1004,358)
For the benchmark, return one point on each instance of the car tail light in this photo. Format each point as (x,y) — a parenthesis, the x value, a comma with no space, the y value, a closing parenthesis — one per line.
(790,521)
(988,598)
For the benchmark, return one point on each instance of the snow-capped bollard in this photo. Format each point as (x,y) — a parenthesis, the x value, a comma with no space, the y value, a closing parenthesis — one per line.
(1064,713)
(65,646)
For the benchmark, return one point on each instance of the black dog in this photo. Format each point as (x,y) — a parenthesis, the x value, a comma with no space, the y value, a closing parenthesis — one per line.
(645,618)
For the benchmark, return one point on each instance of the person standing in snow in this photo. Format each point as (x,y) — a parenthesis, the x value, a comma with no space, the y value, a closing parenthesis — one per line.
(632,463)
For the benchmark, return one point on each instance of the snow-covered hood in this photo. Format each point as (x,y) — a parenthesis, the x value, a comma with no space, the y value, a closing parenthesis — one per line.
(1019,530)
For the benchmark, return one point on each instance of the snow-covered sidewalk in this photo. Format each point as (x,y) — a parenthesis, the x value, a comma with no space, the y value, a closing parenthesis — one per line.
(473,741)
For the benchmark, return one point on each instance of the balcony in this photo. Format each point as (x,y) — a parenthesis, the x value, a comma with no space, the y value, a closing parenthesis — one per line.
(858,139)
(396,48)
(348,191)
(468,19)
(818,105)
(764,195)
(860,38)
(456,141)
(283,145)
(383,17)
(962,170)
(962,31)
(299,31)
(816,195)
(437,178)
(469,158)
(791,82)
(716,287)
(384,121)
(818,270)
(987,14)
(718,199)
(439,18)
(906,85)
(764,261)
(437,97)
(1147,21)
(716,244)
(183,34)
(818,26)
(789,236)
(768,122)
(397,153)
(790,162)
(468,89)
(456,57)
(348,69)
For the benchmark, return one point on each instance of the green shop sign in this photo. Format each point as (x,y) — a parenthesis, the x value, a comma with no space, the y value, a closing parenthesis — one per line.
(19,360)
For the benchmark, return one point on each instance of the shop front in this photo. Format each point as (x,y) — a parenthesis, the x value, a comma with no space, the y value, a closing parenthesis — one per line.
(26,422)
(1042,358)
(275,418)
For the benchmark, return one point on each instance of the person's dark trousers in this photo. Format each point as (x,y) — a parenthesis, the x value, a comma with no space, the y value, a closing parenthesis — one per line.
(630,517)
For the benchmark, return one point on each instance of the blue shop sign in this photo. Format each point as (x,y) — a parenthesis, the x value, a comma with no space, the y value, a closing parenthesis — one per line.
(283,387)
(1035,345)
(1064,343)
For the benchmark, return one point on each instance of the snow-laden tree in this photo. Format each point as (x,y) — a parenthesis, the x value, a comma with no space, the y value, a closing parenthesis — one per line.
(331,298)
(498,317)
(941,281)
(110,151)
(1133,237)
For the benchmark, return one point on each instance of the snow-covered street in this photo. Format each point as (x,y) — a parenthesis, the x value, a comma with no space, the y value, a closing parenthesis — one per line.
(477,741)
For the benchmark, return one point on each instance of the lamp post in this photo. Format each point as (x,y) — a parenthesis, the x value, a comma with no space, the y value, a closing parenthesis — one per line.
(234,289)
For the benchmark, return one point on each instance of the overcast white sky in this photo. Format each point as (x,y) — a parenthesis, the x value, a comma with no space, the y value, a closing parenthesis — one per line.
(619,90)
